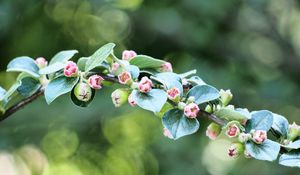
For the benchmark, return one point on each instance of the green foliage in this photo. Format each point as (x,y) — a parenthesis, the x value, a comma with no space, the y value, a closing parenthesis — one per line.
(203,93)
(2,93)
(280,125)
(28,86)
(230,114)
(24,64)
(268,150)
(291,159)
(52,68)
(169,80)
(143,62)
(260,120)
(293,145)
(63,56)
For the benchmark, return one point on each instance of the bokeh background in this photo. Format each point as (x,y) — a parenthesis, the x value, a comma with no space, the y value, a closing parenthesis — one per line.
(251,47)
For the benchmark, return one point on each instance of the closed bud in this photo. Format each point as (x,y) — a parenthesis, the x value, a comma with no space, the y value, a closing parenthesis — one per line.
(95,81)
(244,137)
(115,67)
(191,99)
(232,129)
(208,109)
(226,96)
(41,62)
(145,85)
(166,67)
(181,105)
(236,149)
(120,97)
(191,110)
(213,130)
(167,133)
(71,69)
(131,101)
(294,131)
(128,55)
(174,94)
(83,92)
(125,78)
(259,136)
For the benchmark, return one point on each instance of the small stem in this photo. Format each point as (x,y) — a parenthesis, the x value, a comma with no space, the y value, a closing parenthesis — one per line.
(214,118)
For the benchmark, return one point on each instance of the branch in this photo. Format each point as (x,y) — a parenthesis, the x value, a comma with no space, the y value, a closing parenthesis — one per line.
(213,118)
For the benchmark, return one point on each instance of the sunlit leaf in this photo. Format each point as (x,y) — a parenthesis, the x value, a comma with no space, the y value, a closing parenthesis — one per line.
(63,56)
(268,150)
(203,93)
(23,64)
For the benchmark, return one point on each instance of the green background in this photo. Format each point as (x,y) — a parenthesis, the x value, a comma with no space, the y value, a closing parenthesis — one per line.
(251,47)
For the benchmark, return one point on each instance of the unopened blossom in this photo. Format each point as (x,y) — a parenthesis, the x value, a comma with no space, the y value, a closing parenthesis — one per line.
(166,67)
(294,131)
(95,81)
(119,97)
(259,136)
(131,101)
(125,78)
(145,85)
(167,133)
(225,96)
(83,92)
(71,69)
(41,62)
(174,94)
(191,110)
(213,130)
(236,149)
(128,55)
(115,67)
(232,130)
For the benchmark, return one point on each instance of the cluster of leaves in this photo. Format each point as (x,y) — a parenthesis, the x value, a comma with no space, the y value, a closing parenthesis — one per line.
(178,99)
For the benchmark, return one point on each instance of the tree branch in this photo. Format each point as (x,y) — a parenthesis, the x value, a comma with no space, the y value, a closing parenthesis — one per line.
(213,118)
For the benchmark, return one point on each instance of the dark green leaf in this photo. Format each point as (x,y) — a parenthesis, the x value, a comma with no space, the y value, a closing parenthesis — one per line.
(143,61)
(29,86)
(24,64)
(82,103)
(268,150)
(152,101)
(291,159)
(260,120)
(52,68)
(280,124)
(178,124)
(99,56)
(58,87)
(203,93)
(63,56)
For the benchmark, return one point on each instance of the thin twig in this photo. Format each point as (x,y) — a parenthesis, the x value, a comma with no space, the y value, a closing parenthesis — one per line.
(214,118)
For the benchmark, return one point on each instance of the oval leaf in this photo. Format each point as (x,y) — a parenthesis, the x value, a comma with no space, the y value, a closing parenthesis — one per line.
(152,101)
(195,80)
(24,64)
(169,80)
(268,150)
(58,87)
(144,61)
(63,56)
(293,145)
(230,115)
(291,159)
(280,124)
(28,86)
(260,120)
(178,124)
(99,56)
(203,93)
(52,68)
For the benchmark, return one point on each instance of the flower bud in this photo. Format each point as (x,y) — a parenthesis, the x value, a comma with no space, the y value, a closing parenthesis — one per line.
(181,105)
(259,136)
(167,133)
(191,99)
(115,67)
(244,137)
(208,109)
(120,97)
(83,92)
(226,96)
(166,67)
(95,81)
(128,55)
(71,69)
(145,85)
(174,94)
(213,130)
(125,78)
(294,131)
(236,149)
(131,101)
(191,110)
(232,129)
(41,62)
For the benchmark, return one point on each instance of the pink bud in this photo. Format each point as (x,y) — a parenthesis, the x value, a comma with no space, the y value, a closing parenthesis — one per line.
(166,67)
(115,67)
(236,149)
(71,69)
(131,101)
(173,94)
(213,130)
(259,136)
(128,55)
(232,130)
(191,110)
(124,78)
(41,62)
(95,81)
(145,85)
(167,133)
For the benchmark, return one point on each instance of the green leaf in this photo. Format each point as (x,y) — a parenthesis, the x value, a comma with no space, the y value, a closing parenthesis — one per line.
(24,64)
(143,61)
(178,124)
(280,125)
(52,68)
(230,115)
(293,145)
(195,80)
(28,86)
(169,80)
(291,159)
(99,56)
(188,74)
(2,93)
(81,63)
(82,103)
(63,56)
(152,101)
(58,87)
(260,120)
(203,93)
(11,91)
(268,150)
(134,71)
(167,106)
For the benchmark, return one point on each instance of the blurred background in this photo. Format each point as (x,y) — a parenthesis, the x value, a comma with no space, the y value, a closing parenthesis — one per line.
(251,47)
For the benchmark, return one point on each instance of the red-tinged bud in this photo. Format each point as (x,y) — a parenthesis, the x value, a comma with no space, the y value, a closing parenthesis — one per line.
(83,92)
(232,129)
(174,94)
(95,81)
(213,130)
(166,67)
(131,101)
(191,110)
(167,133)
(236,149)
(259,136)
(128,55)
(41,62)
(71,69)
(294,131)
(125,78)
(145,85)
(120,97)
